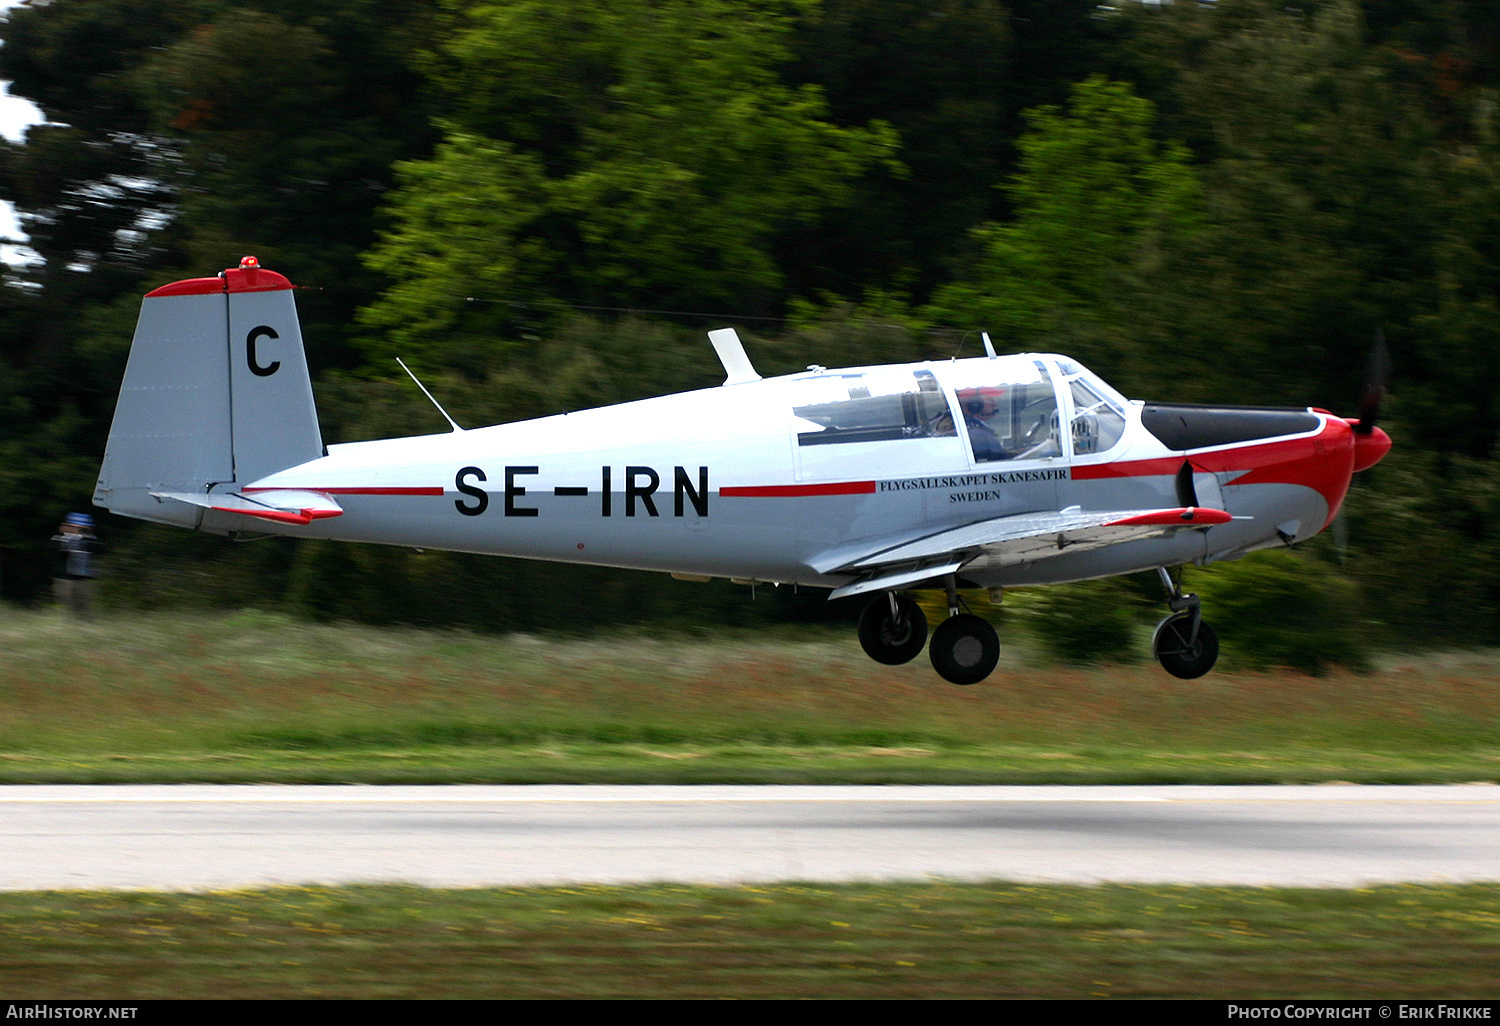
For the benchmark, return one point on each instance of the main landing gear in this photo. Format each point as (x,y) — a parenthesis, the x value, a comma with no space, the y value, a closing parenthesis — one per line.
(964,649)
(892,629)
(1183,643)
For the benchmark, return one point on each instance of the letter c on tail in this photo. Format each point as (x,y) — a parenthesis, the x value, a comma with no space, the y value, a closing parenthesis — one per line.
(259,370)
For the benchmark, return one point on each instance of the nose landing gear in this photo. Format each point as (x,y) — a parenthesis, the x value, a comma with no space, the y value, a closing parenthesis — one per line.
(1184,644)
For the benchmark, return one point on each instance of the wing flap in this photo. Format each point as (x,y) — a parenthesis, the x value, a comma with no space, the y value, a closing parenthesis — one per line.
(898,577)
(1022,537)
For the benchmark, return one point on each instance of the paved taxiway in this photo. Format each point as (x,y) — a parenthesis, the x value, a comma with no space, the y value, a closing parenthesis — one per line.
(202,836)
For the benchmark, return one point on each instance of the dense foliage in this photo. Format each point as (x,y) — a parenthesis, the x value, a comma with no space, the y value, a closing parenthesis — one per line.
(543,205)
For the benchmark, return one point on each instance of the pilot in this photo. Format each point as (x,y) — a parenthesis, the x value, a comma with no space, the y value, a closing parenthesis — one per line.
(980,406)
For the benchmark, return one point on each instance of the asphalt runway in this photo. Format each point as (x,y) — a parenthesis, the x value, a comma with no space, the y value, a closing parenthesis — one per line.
(199,837)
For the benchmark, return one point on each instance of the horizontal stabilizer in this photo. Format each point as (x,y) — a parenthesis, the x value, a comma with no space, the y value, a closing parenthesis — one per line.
(283,505)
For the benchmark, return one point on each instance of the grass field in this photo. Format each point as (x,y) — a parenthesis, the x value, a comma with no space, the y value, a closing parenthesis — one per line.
(260,697)
(791,940)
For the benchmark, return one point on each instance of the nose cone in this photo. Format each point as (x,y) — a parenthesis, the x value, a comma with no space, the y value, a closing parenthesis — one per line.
(1370,448)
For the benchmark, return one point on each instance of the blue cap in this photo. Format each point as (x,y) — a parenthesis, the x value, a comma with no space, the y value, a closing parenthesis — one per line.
(79,520)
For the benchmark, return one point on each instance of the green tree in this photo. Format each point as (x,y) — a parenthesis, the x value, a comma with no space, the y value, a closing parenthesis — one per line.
(286,119)
(608,154)
(89,185)
(179,137)
(1099,206)
(1322,189)
(1280,608)
(941,73)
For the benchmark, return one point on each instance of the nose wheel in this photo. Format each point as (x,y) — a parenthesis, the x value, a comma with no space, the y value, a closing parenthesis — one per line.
(1183,651)
(1184,644)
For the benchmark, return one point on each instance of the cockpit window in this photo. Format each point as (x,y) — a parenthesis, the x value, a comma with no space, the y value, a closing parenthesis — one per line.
(1012,413)
(875,406)
(1098,411)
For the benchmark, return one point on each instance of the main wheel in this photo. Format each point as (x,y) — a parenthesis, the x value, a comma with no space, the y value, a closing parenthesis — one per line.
(964,649)
(1179,656)
(889,639)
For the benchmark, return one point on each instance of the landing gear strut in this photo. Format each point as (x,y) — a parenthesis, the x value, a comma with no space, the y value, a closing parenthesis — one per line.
(892,629)
(964,648)
(1183,643)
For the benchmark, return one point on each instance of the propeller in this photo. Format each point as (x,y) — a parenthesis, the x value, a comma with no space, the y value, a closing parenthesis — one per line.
(1370,443)
(1377,377)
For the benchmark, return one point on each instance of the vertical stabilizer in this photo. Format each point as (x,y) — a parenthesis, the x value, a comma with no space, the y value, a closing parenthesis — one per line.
(216,395)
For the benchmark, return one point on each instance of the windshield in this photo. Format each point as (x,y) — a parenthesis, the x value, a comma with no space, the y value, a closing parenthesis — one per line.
(1098,410)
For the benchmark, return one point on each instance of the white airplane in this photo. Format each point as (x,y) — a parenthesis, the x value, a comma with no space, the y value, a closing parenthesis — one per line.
(986,472)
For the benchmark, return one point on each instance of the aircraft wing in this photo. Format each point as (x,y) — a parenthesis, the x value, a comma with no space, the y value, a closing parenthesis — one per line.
(1024,537)
(283,505)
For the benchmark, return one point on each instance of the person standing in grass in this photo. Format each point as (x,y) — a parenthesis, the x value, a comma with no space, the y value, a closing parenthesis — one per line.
(76,549)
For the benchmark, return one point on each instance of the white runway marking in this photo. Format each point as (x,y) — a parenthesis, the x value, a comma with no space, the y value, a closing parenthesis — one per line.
(193,837)
(218,794)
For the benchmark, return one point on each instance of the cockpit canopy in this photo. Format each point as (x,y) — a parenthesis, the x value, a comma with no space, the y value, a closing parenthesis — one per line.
(1011,407)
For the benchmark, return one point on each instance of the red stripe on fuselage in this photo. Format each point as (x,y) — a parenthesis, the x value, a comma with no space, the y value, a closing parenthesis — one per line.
(1128,468)
(797,491)
(382,490)
(1323,462)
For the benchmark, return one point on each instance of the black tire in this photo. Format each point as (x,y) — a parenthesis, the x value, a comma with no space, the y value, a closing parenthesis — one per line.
(892,640)
(1179,658)
(964,649)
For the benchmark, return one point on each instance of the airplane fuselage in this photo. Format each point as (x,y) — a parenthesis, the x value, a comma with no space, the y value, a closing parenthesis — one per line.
(715,483)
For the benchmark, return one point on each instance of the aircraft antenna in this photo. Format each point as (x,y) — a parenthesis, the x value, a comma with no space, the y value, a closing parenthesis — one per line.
(428,394)
(988,348)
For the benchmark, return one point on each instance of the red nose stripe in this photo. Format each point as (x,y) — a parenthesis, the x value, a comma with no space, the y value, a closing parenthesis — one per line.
(1322,462)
